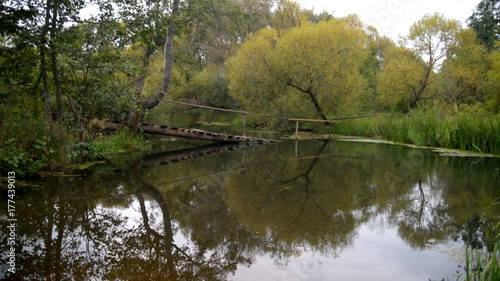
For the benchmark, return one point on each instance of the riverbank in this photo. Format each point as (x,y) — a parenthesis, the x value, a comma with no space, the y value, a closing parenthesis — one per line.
(438,150)
(473,133)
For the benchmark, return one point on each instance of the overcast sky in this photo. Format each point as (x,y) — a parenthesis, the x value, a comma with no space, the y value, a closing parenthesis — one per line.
(394,17)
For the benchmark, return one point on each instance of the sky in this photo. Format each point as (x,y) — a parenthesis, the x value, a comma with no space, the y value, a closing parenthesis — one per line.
(393,18)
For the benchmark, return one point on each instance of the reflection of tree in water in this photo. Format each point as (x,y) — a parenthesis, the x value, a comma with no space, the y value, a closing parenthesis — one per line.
(429,197)
(68,234)
(296,206)
(424,216)
(270,204)
(63,232)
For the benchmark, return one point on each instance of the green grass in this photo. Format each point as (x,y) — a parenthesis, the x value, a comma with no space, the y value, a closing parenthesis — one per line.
(461,131)
(116,145)
(480,267)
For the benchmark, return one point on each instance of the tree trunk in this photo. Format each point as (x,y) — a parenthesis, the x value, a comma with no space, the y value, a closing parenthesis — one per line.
(167,70)
(314,100)
(145,64)
(169,48)
(317,106)
(55,73)
(43,67)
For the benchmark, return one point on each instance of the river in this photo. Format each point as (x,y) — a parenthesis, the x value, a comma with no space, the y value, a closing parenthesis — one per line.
(312,210)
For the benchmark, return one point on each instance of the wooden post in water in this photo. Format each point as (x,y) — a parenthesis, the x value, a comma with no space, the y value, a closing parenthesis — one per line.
(297,130)
(244,124)
(296,149)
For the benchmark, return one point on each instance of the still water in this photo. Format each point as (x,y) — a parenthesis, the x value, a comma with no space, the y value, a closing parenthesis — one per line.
(291,211)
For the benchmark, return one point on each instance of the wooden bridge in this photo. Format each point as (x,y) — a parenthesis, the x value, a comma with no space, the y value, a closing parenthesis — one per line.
(164,130)
(148,128)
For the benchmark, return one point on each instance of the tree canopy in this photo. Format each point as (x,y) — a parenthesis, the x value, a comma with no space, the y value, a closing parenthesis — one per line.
(59,69)
(311,70)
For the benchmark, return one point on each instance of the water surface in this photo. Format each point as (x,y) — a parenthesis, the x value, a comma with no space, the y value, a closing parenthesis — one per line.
(290,211)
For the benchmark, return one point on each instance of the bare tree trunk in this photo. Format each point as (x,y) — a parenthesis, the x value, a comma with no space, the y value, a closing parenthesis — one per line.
(167,70)
(169,48)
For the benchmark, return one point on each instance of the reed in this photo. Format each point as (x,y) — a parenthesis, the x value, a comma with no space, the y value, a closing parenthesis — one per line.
(480,264)
(460,131)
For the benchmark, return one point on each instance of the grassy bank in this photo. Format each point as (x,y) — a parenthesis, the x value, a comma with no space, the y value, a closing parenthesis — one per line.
(460,131)
(38,154)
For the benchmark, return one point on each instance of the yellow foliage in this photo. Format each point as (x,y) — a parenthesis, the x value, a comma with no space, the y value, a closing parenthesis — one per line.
(400,75)
(272,71)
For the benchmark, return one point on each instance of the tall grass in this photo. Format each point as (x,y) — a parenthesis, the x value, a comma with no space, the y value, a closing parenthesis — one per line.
(482,265)
(482,268)
(460,131)
(464,132)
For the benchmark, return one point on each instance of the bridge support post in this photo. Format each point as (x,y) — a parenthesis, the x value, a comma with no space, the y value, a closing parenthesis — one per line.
(297,130)
(244,124)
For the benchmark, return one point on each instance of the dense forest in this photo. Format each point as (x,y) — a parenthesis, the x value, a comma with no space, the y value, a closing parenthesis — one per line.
(61,68)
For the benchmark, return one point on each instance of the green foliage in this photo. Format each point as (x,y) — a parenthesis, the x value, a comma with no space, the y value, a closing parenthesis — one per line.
(398,131)
(461,77)
(25,146)
(492,83)
(92,70)
(210,87)
(463,131)
(267,56)
(485,20)
(119,143)
(409,76)
(430,128)
(17,70)
(364,127)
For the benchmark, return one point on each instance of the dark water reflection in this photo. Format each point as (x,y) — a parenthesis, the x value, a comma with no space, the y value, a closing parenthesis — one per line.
(312,211)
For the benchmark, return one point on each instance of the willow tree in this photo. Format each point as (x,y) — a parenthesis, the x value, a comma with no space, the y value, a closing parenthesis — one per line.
(398,77)
(311,70)
(493,82)
(411,72)
(464,70)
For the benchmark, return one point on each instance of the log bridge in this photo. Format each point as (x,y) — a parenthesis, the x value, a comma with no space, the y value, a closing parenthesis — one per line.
(148,128)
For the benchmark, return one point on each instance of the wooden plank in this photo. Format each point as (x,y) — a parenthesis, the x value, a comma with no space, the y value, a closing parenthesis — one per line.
(181,132)
(206,106)
(314,120)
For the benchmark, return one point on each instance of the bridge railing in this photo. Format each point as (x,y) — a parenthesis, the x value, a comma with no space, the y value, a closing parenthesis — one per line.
(296,120)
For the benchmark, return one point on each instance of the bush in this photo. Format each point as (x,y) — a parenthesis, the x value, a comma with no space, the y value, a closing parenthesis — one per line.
(25,144)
